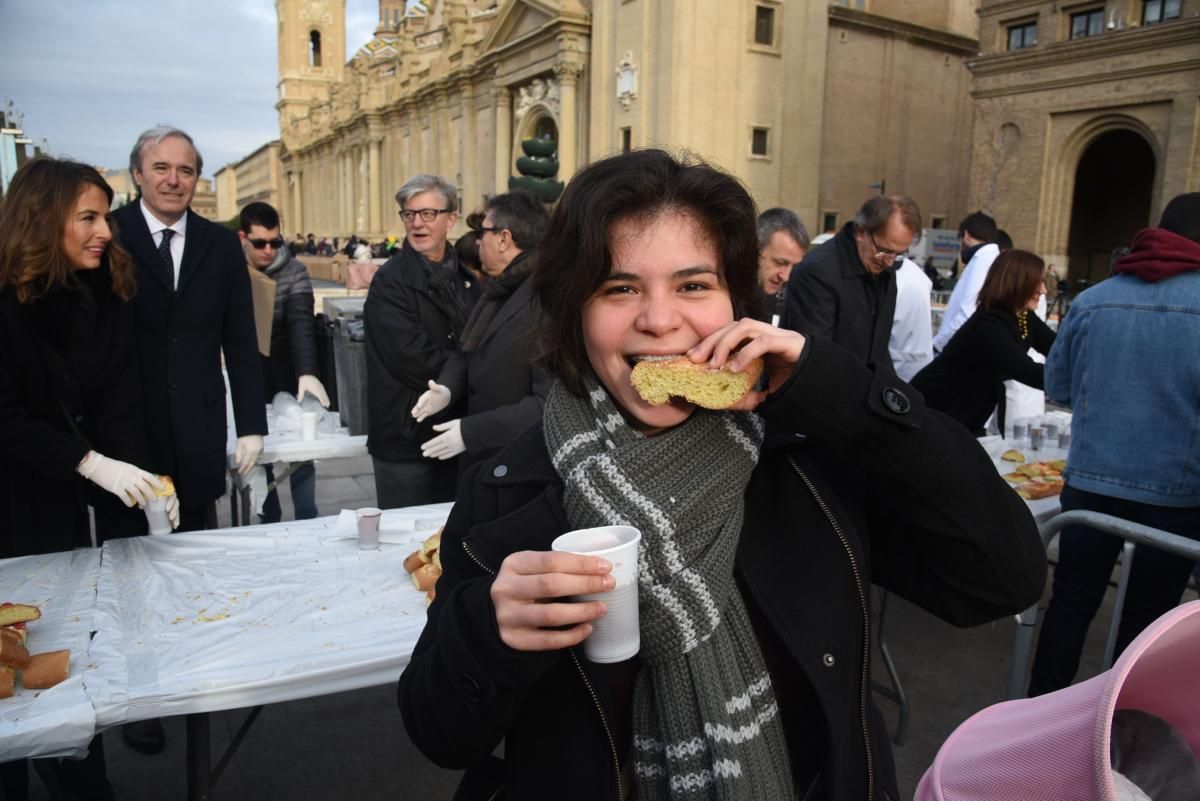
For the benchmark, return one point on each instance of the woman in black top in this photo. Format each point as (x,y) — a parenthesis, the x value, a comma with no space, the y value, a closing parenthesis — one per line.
(966,381)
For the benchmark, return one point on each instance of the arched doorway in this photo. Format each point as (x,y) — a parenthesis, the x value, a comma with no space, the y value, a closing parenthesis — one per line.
(1114,183)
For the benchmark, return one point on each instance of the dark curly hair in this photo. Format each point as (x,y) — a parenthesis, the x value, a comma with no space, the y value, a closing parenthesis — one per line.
(36,210)
(576,255)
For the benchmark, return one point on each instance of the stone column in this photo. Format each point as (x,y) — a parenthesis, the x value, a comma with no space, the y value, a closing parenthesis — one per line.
(503,137)
(374,186)
(568,124)
(298,201)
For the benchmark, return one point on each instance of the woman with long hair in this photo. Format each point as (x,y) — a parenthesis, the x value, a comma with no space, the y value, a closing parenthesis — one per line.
(763,527)
(70,417)
(966,380)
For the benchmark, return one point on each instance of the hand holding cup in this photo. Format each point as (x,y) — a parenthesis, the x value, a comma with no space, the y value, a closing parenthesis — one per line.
(531,596)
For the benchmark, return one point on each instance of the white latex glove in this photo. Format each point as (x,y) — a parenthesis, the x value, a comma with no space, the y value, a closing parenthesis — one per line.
(173,509)
(134,486)
(312,385)
(432,401)
(446,445)
(246,454)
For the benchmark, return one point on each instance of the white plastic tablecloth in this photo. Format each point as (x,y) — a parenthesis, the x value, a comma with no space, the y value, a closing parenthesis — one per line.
(1042,508)
(240,617)
(279,446)
(59,721)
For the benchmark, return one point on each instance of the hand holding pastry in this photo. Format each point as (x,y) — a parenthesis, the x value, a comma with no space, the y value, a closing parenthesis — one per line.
(739,343)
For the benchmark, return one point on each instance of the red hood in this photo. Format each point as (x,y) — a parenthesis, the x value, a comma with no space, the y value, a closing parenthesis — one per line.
(1158,253)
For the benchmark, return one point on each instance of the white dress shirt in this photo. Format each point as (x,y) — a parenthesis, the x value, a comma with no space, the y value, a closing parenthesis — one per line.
(965,294)
(911,342)
(157,227)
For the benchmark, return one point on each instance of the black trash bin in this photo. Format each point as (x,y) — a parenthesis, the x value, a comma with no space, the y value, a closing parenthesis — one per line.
(351,356)
(326,332)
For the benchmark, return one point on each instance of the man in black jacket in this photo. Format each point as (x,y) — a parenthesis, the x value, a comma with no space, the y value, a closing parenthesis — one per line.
(192,305)
(845,289)
(414,314)
(292,363)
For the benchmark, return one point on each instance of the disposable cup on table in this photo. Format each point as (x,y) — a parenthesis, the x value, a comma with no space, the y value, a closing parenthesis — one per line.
(368,528)
(308,426)
(1020,432)
(1037,437)
(1064,439)
(1051,430)
(615,637)
(156,516)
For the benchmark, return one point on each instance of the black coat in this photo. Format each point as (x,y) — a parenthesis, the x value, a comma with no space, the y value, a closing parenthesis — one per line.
(505,391)
(179,338)
(832,296)
(68,384)
(293,330)
(414,315)
(966,380)
(818,531)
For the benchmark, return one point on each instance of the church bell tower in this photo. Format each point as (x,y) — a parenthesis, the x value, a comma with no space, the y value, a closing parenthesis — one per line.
(312,53)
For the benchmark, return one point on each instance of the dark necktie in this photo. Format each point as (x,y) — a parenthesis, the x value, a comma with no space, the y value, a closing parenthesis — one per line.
(164,253)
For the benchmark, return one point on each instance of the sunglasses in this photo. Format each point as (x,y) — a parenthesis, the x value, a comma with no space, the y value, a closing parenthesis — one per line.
(259,244)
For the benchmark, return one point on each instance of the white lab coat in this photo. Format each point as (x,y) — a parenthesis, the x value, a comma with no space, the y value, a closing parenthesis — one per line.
(911,342)
(965,294)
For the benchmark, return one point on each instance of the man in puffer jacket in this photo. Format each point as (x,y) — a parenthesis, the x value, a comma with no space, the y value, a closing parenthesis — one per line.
(292,364)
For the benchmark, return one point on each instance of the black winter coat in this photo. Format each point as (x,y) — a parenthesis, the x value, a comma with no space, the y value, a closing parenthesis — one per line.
(68,384)
(818,531)
(505,392)
(966,380)
(414,315)
(180,337)
(832,296)
(293,331)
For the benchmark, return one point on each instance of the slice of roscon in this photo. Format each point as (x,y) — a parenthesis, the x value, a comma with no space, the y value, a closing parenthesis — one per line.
(658,380)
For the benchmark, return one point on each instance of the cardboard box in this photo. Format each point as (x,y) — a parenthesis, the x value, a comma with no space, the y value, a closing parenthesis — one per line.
(262,288)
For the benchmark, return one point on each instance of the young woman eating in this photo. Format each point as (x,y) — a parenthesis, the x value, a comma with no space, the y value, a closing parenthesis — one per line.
(763,527)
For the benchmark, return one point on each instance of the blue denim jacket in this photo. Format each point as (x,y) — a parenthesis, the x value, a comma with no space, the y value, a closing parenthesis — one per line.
(1127,361)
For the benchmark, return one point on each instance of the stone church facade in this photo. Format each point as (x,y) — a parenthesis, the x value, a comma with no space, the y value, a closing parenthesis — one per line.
(811,104)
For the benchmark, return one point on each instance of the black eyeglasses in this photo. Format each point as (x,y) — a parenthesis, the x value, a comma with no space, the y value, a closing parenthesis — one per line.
(485,228)
(428,215)
(259,244)
(890,255)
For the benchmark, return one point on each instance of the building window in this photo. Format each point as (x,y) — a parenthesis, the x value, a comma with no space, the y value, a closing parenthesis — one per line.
(314,49)
(626,140)
(1159,11)
(1022,36)
(758,142)
(1087,23)
(764,26)
(937,222)
(829,221)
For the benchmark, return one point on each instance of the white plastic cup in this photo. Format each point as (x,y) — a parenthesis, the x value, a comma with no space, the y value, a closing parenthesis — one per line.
(1037,437)
(156,516)
(615,637)
(1051,430)
(308,426)
(1064,438)
(368,528)
(1020,431)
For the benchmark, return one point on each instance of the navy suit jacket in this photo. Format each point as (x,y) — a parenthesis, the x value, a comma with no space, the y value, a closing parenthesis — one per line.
(179,335)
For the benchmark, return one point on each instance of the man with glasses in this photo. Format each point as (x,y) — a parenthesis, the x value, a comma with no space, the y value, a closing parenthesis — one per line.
(414,314)
(845,289)
(292,364)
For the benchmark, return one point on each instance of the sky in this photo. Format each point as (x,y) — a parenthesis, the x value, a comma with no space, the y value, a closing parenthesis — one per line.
(90,75)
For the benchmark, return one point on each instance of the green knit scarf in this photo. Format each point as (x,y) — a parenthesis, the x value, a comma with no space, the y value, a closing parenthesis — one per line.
(705,720)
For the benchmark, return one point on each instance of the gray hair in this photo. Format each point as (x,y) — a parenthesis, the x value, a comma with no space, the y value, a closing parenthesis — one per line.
(151,138)
(429,183)
(778,219)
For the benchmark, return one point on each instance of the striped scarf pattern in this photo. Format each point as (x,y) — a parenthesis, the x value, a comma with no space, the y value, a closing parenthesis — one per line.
(705,720)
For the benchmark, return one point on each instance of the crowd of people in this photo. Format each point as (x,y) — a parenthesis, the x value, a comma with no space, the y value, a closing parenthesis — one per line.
(498,376)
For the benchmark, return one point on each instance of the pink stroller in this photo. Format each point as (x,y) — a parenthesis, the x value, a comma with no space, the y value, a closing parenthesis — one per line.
(1056,747)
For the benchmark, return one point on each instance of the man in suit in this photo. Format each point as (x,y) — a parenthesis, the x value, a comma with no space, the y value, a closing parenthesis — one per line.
(492,369)
(845,289)
(192,303)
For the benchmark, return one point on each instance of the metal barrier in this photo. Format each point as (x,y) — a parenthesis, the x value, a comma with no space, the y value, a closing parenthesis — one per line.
(1134,534)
